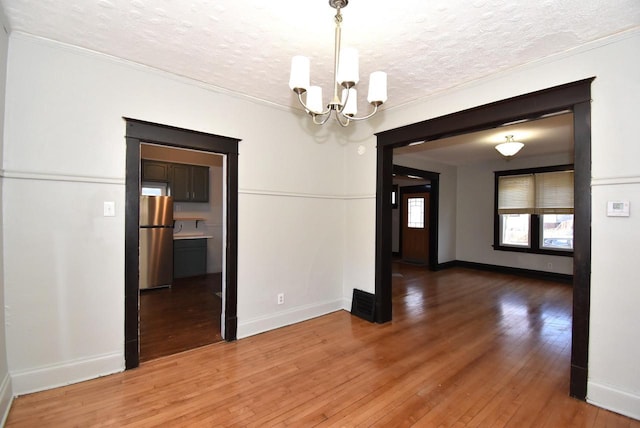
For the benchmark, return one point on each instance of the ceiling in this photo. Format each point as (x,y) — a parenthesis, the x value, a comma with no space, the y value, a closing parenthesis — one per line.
(544,136)
(425,47)
(246,46)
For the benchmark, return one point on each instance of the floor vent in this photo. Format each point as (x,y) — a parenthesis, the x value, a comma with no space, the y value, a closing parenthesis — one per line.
(363,305)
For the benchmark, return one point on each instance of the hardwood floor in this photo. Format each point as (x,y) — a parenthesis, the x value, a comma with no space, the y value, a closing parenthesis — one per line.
(180,318)
(465,348)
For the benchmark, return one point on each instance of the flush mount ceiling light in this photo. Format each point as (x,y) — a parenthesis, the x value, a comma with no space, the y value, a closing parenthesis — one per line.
(345,77)
(510,148)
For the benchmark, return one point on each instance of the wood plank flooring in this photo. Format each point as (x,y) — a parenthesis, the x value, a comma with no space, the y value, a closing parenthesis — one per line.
(180,318)
(465,349)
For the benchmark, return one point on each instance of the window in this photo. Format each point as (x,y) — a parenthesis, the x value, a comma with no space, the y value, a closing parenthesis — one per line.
(415,213)
(534,210)
(394,196)
(557,231)
(514,230)
(153,189)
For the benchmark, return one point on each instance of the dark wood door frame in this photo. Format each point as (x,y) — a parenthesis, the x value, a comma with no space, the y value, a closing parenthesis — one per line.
(576,97)
(138,132)
(434,189)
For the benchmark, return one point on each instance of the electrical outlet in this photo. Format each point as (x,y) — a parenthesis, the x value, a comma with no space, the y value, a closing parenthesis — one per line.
(281,298)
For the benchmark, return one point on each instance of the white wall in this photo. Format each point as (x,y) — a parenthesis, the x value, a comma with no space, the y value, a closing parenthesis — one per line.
(6,391)
(475,201)
(64,155)
(360,209)
(614,378)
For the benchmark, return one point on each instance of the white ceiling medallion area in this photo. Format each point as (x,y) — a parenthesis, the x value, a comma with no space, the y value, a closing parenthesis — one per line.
(246,46)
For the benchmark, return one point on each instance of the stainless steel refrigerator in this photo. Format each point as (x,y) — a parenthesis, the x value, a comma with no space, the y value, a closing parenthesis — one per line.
(156,241)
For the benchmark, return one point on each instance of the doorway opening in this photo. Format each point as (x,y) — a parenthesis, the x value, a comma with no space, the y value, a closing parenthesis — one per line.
(137,133)
(409,181)
(575,97)
(184,311)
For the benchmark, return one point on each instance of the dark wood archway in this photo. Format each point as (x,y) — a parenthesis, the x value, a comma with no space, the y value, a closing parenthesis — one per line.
(574,96)
(138,132)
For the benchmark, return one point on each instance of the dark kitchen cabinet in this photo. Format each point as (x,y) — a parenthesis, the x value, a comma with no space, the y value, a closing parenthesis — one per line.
(180,182)
(189,257)
(189,183)
(155,171)
(200,184)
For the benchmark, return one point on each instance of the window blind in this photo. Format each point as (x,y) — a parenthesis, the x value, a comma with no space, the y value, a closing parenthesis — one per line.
(541,193)
(516,194)
(554,192)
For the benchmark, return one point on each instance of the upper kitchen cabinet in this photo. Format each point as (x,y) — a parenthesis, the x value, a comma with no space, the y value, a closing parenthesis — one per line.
(155,171)
(189,183)
(200,183)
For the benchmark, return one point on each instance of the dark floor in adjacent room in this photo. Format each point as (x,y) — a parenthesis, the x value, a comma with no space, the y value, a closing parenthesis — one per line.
(182,317)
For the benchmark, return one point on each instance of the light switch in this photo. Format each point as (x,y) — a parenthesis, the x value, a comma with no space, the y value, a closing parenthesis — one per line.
(618,209)
(109,209)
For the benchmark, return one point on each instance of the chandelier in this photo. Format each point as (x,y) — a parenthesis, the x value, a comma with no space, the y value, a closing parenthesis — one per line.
(345,77)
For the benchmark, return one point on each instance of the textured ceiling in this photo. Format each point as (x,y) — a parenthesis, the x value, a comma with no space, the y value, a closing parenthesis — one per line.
(246,46)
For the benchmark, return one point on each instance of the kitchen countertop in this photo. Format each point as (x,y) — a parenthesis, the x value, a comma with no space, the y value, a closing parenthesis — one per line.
(190,236)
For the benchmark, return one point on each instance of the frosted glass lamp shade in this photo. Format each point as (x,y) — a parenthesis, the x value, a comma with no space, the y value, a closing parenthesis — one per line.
(348,70)
(299,78)
(510,148)
(377,87)
(314,99)
(352,101)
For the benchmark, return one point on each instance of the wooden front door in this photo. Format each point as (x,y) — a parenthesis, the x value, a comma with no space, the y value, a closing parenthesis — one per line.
(415,227)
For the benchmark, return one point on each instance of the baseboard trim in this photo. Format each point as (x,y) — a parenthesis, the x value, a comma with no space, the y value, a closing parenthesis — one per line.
(281,319)
(42,378)
(615,400)
(560,277)
(446,265)
(6,398)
